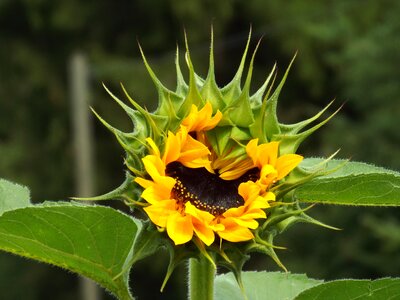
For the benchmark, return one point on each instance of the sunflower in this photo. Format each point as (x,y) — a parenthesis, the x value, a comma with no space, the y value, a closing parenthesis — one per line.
(192,191)
(213,166)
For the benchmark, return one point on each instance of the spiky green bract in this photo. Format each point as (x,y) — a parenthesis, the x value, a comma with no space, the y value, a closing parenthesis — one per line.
(245,116)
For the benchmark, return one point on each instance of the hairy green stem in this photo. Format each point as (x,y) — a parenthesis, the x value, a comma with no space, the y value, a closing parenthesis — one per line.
(201,279)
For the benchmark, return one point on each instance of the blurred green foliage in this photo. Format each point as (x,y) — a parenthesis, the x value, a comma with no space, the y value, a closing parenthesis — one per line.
(349,50)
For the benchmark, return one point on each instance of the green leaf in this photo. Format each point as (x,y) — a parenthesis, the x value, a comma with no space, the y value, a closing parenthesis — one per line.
(345,168)
(13,196)
(381,289)
(93,241)
(147,242)
(352,184)
(262,285)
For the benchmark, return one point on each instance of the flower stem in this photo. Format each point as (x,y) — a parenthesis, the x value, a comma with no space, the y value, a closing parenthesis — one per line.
(201,279)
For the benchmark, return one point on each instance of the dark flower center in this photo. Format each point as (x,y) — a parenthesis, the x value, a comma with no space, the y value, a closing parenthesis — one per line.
(207,191)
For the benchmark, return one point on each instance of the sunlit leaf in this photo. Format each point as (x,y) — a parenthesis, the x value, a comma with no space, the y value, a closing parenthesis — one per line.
(13,196)
(262,285)
(352,184)
(349,289)
(344,168)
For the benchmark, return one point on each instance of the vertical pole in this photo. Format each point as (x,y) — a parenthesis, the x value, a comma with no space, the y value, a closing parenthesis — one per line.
(83,145)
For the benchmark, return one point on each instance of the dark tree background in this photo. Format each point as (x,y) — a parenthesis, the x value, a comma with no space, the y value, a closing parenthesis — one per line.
(348,50)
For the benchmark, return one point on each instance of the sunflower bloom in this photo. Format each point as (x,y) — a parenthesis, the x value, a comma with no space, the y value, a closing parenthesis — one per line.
(187,194)
(211,166)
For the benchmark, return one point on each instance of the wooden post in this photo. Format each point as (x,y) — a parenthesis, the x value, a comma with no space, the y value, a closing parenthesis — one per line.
(83,144)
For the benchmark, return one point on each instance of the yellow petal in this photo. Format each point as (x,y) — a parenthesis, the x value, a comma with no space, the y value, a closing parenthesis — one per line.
(152,196)
(172,148)
(156,193)
(153,146)
(268,175)
(234,212)
(245,216)
(166,182)
(199,163)
(193,149)
(154,166)
(204,232)
(234,171)
(252,150)
(267,170)
(262,154)
(211,123)
(287,163)
(249,190)
(202,215)
(159,213)
(201,120)
(144,183)
(190,120)
(203,224)
(249,223)
(252,215)
(234,232)
(180,228)
(258,203)
(268,153)
(269,196)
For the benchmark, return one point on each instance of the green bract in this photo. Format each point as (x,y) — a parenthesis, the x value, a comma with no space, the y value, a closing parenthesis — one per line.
(245,116)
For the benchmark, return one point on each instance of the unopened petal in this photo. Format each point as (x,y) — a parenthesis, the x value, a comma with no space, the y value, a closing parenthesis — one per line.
(201,120)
